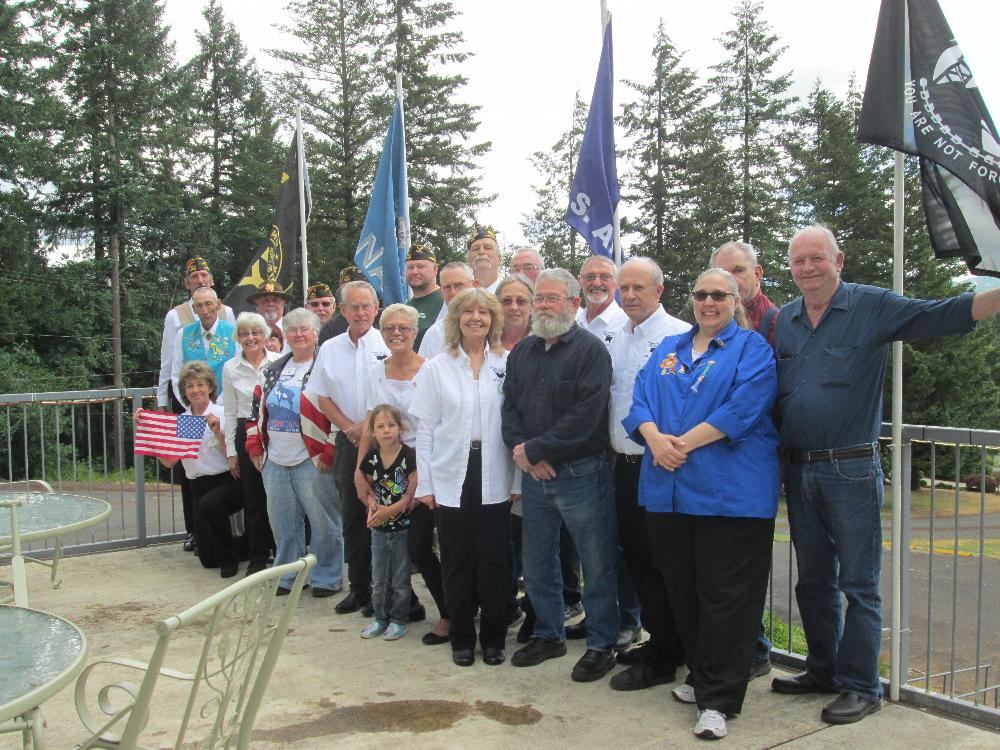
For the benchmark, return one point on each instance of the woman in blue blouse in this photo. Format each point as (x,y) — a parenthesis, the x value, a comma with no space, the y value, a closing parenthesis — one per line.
(709,484)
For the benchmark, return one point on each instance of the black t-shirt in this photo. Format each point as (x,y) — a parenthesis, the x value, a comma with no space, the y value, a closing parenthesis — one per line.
(391,482)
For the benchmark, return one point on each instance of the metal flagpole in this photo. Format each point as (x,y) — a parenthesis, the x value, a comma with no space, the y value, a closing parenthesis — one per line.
(301,161)
(895,629)
(615,222)
(402,122)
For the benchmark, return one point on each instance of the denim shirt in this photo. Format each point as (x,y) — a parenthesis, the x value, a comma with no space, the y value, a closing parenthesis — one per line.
(830,377)
(731,387)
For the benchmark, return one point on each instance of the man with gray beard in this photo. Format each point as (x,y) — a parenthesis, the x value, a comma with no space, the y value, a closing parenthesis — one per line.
(555,419)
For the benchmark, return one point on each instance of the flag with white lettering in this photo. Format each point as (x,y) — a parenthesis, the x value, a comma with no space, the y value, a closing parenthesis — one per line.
(922,98)
(385,237)
(168,435)
(594,195)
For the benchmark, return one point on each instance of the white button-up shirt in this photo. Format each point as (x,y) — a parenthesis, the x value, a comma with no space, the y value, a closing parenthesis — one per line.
(398,393)
(443,407)
(239,378)
(211,456)
(432,343)
(610,320)
(171,325)
(630,348)
(341,372)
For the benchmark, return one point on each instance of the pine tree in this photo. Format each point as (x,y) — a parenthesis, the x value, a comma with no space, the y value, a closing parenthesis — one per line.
(679,174)
(753,110)
(546,225)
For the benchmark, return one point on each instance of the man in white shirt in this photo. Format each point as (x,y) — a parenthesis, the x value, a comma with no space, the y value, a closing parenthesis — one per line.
(647,324)
(602,316)
(340,381)
(210,339)
(484,257)
(455,277)
(527,261)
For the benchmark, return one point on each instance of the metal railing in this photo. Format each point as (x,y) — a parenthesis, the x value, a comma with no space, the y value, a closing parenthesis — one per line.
(950,562)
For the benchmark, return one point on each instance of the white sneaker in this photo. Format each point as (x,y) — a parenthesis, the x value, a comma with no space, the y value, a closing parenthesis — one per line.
(711,725)
(684,693)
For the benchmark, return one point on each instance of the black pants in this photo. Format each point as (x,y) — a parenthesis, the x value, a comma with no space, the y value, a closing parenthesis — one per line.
(260,539)
(357,535)
(216,497)
(187,499)
(716,571)
(475,563)
(665,649)
(420,545)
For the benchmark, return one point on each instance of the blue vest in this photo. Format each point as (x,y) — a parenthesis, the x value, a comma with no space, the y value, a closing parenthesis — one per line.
(215,353)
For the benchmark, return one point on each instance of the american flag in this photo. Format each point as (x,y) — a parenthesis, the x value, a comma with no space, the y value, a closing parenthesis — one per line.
(169,435)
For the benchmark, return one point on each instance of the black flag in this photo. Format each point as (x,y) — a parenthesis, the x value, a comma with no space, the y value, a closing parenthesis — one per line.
(276,261)
(921,98)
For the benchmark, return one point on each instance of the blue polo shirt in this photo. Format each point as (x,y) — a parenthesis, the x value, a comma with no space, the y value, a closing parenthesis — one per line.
(732,387)
(830,377)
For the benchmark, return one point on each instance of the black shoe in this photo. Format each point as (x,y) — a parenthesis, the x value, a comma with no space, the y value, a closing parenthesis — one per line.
(760,668)
(593,665)
(190,543)
(800,684)
(228,571)
(417,613)
(320,592)
(368,610)
(524,632)
(256,566)
(352,603)
(494,656)
(848,708)
(537,651)
(282,591)
(630,656)
(641,676)
(433,639)
(577,631)
(463,657)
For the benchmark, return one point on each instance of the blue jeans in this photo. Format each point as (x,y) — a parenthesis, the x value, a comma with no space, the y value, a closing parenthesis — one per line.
(579,496)
(297,492)
(834,514)
(390,576)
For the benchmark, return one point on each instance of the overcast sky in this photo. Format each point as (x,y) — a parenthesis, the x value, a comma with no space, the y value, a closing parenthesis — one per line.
(532,56)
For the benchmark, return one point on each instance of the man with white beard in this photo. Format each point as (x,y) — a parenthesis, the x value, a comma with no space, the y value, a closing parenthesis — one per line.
(555,419)
(603,315)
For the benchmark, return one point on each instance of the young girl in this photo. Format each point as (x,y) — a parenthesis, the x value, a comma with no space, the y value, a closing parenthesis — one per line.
(391,468)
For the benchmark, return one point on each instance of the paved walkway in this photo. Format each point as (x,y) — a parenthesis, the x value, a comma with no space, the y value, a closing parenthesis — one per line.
(332,689)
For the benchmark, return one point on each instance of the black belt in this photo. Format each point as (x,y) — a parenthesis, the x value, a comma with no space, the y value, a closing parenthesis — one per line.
(476,445)
(831,454)
(630,458)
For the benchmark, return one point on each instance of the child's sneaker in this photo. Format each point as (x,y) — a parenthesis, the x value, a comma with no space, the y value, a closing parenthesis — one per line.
(394,632)
(374,629)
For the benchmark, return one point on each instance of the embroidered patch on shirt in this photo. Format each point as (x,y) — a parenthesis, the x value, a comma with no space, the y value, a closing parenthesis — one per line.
(669,364)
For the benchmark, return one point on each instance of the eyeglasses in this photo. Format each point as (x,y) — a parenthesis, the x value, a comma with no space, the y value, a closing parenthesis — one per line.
(320,303)
(549,299)
(245,334)
(397,329)
(522,267)
(355,306)
(701,295)
(595,276)
(298,330)
(515,302)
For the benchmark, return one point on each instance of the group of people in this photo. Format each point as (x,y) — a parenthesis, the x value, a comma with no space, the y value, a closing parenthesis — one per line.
(540,437)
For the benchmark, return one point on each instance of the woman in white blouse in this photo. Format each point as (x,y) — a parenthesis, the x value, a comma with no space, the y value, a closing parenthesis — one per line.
(393,381)
(240,376)
(466,473)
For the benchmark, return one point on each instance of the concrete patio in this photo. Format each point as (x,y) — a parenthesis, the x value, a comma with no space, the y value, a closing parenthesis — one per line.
(333,689)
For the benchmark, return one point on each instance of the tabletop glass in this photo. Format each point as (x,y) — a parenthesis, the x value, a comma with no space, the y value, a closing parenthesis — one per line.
(36,649)
(42,514)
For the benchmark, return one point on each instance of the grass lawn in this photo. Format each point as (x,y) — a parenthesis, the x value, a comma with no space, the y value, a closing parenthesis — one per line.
(944,504)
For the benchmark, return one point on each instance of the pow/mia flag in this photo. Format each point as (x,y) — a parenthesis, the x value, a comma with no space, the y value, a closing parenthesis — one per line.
(276,261)
(921,98)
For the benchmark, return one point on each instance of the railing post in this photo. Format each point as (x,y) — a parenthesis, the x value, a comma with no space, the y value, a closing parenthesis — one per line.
(140,482)
(904,567)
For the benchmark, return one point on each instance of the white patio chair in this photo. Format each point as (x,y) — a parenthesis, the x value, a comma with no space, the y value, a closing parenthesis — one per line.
(244,628)
(19,579)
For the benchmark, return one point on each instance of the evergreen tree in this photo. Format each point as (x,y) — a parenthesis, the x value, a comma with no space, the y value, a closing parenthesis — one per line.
(234,150)
(679,175)
(546,225)
(753,111)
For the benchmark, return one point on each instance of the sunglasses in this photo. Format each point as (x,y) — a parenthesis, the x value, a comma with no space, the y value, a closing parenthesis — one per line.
(701,295)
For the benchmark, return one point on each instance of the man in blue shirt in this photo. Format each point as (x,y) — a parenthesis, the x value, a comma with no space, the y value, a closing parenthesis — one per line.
(832,346)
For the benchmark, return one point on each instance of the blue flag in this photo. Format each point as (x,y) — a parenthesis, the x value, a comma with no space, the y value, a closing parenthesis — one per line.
(594,195)
(385,238)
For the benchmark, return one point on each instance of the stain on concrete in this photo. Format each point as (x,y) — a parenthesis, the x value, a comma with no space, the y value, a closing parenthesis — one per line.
(415,716)
(386,694)
(134,613)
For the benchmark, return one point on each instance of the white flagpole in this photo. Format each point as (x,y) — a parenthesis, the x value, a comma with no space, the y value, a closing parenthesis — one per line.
(301,161)
(615,221)
(402,119)
(895,629)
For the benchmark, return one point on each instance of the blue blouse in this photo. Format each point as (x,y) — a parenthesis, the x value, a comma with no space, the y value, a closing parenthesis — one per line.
(731,387)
